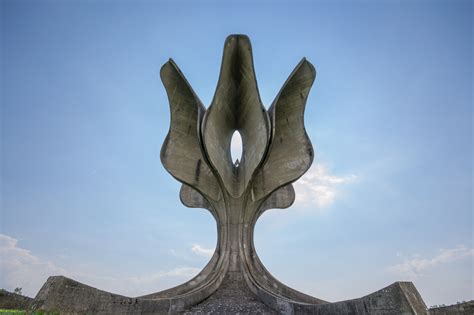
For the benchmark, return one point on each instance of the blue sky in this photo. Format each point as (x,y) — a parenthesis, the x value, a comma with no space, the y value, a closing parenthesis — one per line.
(84,114)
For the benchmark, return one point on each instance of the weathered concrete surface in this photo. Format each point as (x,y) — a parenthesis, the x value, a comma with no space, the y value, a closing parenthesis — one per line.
(232,297)
(400,298)
(276,152)
(196,151)
(13,301)
(66,296)
(466,308)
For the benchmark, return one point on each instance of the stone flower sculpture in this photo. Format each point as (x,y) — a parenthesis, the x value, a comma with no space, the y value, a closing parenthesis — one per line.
(196,151)
(276,148)
(276,152)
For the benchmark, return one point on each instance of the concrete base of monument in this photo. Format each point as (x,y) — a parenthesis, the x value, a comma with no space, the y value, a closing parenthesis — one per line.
(232,296)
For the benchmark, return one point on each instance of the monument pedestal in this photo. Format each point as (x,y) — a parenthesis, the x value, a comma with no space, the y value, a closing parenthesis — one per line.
(66,296)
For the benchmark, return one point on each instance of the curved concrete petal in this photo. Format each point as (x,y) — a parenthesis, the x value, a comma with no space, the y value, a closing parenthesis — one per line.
(290,153)
(236,106)
(191,198)
(281,198)
(181,152)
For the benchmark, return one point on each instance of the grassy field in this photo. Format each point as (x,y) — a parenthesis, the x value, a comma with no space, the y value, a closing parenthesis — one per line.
(20,312)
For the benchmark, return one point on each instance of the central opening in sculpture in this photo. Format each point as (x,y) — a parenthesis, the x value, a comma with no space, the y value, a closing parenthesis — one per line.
(236,148)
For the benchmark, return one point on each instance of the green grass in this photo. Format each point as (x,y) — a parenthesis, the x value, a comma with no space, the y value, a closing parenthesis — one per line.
(20,312)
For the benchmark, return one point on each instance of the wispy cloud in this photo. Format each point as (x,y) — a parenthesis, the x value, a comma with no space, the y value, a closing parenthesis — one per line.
(201,251)
(176,272)
(318,188)
(20,268)
(415,266)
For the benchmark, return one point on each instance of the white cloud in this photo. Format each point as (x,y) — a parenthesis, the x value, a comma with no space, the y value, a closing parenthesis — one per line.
(201,251)
(176,272)
(20,268)
(414,267)
(135,285)
(318,188)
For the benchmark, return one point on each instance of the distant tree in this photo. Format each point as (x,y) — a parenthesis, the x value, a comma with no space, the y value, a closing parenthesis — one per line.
(18,291)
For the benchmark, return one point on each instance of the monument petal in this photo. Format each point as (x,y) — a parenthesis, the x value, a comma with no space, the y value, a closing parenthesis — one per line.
(281,198)
(236,106)
(290,153)
(181,153)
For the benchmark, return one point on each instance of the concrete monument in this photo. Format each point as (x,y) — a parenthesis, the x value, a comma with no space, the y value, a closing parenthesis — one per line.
(196,151)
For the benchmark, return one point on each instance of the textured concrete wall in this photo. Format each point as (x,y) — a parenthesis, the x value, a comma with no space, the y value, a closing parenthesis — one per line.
(466,308)
(12,301)
(66,296)
(400,298)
